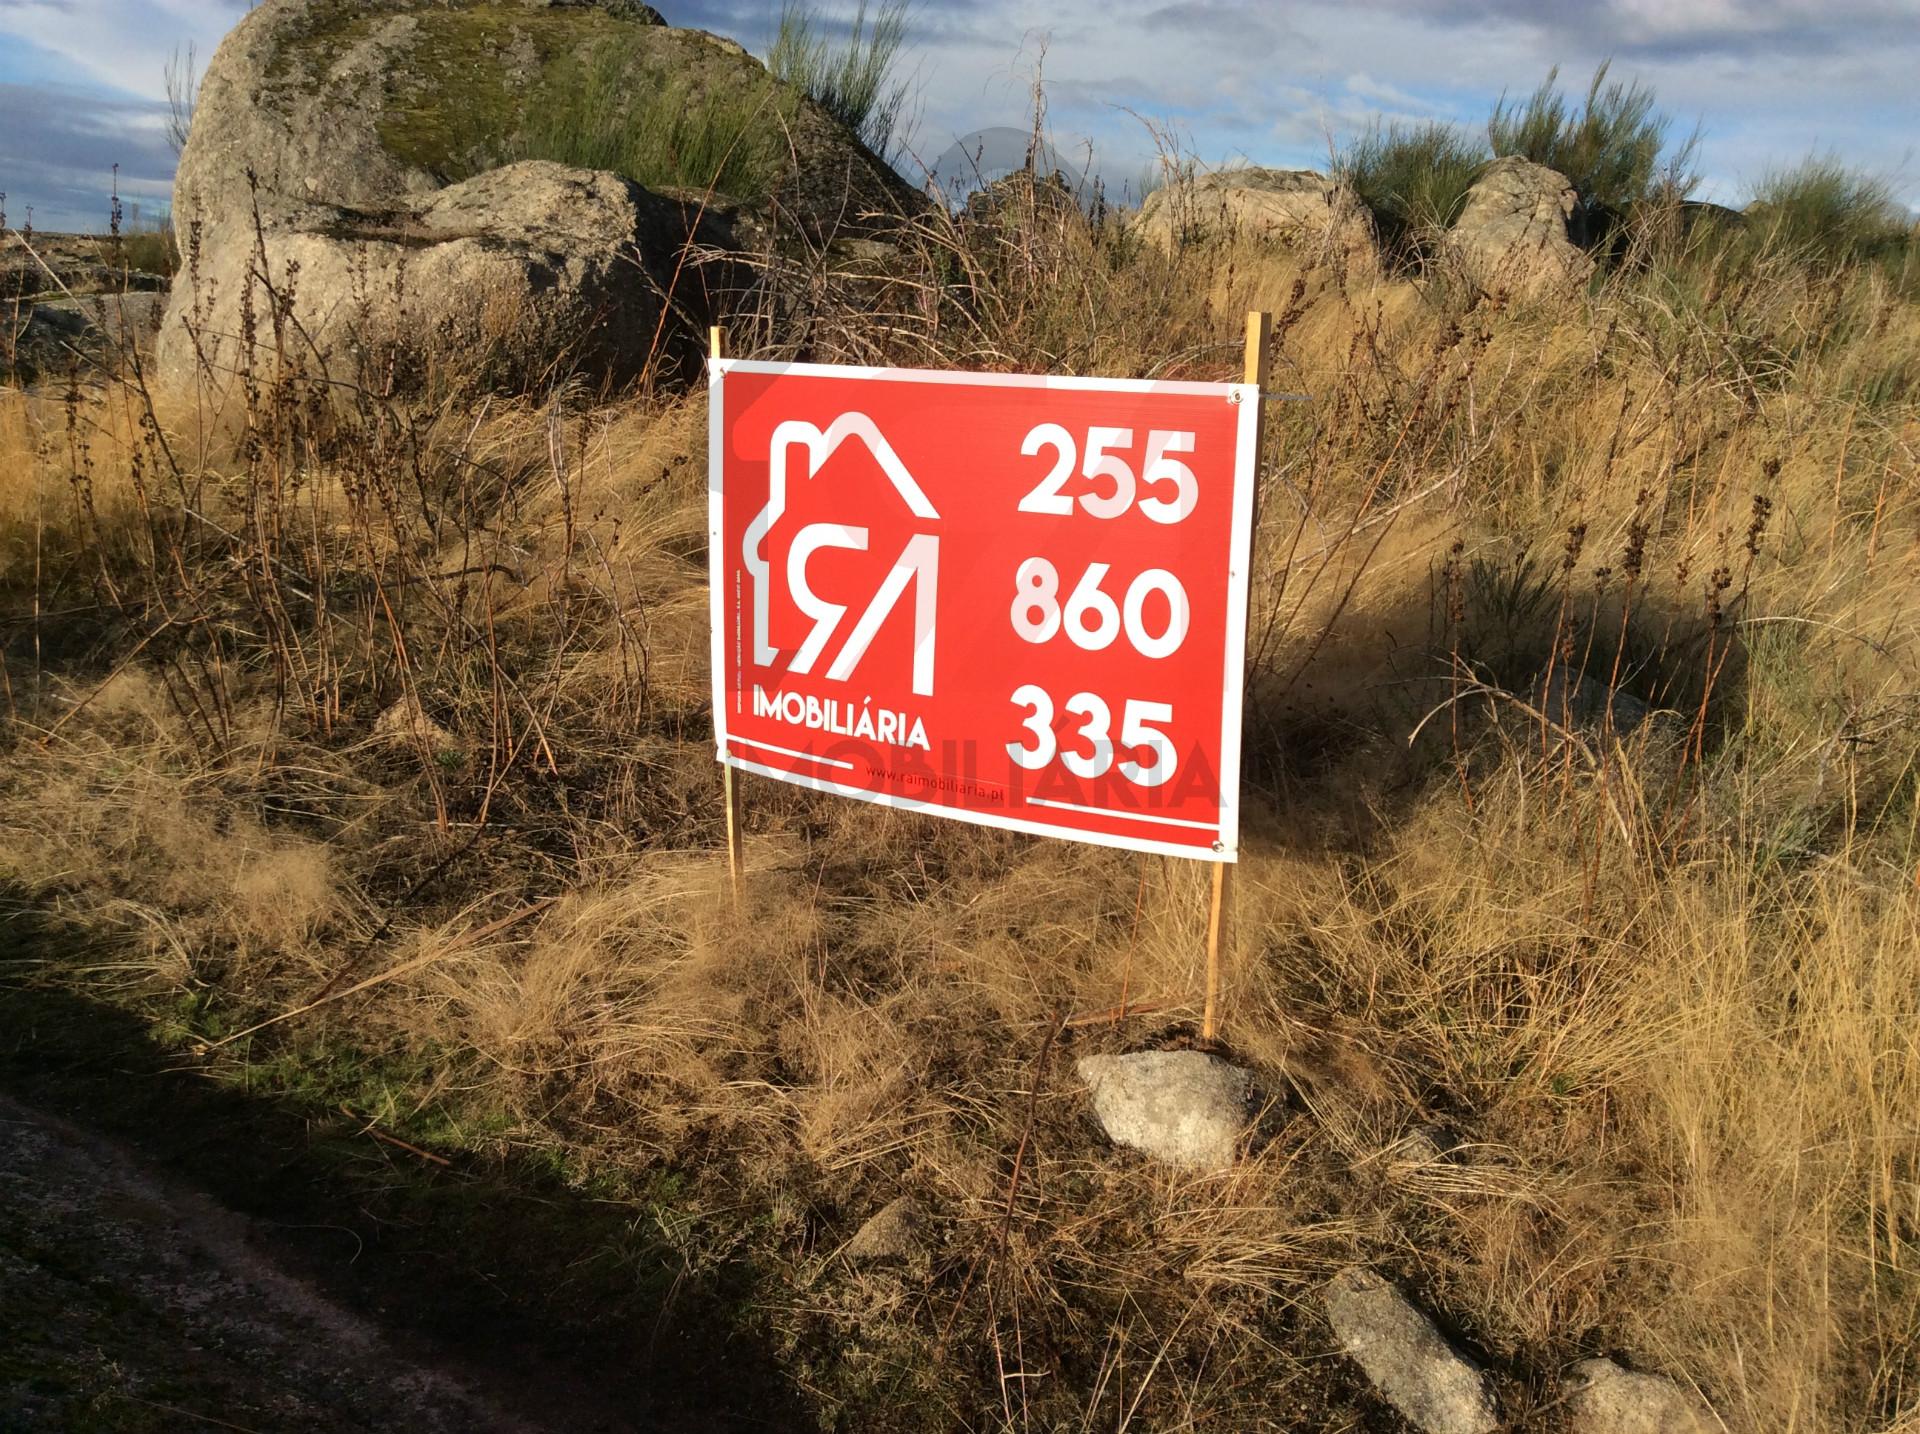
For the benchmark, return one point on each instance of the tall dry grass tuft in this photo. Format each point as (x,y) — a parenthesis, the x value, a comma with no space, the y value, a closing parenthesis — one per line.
(1583,840)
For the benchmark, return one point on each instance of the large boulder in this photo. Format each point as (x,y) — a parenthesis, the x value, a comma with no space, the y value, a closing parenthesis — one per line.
(367,103)
(501,280)
(354,134)
(1514,234)
(1296,207)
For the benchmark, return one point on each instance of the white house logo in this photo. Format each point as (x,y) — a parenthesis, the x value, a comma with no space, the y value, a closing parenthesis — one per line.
(918,563)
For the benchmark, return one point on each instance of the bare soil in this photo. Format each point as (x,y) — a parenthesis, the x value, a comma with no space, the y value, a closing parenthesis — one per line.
(136,1302)
(198,1258)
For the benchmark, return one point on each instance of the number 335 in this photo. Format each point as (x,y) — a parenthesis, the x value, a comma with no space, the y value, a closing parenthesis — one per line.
(1095,728)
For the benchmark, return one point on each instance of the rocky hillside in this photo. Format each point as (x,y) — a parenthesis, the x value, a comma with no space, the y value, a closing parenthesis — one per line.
(75,298)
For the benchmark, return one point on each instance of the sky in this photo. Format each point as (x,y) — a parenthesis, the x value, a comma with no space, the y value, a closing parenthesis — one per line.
(82,83)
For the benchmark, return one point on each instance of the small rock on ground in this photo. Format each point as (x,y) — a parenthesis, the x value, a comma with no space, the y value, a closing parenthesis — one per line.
(1606,1399)
(896,1234)
(1589,704)
(1184,1107)
(406,724)
(1423,1145)
(1408,1360)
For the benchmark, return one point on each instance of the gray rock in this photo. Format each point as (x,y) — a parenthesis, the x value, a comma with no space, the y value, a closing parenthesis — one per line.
(122,316)
(1184,1107)
(28,280)
(1587,704)
(1421,1148)
(897,1234)
(500,279)
(1513,235)
(199,1310)
(1603,1398)
(1021,200)
(94,331)
(406,724)
(1700,213)
(70,300)
(1407,1359)
(1295,207)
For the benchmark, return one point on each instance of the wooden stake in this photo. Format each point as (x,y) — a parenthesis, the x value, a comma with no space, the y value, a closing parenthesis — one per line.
(1255,371)
(1210,1018)
(717,347)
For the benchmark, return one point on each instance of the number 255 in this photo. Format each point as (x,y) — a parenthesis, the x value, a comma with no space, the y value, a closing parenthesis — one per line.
(1160,470)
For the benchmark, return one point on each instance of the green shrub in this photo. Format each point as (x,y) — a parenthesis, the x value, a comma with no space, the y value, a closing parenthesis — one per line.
(1414,178)
(144,249)
(1823,210)
(672,134)
(1614,148)
(851,80)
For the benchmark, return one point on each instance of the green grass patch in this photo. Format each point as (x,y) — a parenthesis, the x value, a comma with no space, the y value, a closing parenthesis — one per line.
(144,250)
(609,112)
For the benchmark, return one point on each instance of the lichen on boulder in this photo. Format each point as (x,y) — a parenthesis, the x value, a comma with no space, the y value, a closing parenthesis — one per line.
(359,102)
(1299,208)
(500,281)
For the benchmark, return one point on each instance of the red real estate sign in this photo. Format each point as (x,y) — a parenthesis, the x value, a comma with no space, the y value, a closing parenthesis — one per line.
(1019,601)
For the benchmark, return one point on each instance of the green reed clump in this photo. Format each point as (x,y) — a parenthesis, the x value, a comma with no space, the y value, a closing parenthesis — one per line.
(852,78)
(1615,147)
(1825,211)
(1413,177)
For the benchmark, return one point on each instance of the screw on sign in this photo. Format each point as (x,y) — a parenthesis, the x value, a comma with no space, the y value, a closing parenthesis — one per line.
(1018,601)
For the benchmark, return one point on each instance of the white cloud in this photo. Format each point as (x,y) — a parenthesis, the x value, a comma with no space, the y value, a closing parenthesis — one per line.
(1769,79)
(1390,99)
(122,44)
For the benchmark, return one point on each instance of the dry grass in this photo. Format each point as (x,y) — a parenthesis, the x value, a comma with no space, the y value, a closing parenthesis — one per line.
(1657,986)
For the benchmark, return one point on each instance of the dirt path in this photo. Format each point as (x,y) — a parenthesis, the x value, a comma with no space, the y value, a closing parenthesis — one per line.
(129,1303)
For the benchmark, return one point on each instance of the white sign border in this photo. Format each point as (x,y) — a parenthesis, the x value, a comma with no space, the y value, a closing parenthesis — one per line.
(1239,565)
